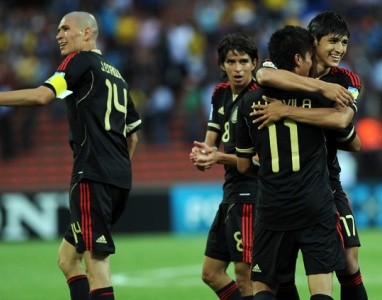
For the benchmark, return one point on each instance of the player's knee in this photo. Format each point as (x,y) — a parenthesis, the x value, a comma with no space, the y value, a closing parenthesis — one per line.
(351,256)
(209,277)
(63,264)
(213,277)
(351,267)
(60,262)
(68,264)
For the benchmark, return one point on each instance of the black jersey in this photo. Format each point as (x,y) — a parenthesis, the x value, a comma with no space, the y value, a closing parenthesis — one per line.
(237,188)
(101,114)
(294,189)
(352,82)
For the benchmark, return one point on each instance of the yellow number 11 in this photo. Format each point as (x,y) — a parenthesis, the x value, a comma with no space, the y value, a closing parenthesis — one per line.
(293,144)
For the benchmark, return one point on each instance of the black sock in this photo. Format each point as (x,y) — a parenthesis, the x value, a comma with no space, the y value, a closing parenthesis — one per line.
(264,295)
(320,297)
(352,287)
(287,291)
(106,293)
(79,287)
(247,297)
(229,292)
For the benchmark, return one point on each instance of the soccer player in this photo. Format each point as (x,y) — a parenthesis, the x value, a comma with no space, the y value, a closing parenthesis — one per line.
(331,41)
(103,124)
(230,236)
(295,205)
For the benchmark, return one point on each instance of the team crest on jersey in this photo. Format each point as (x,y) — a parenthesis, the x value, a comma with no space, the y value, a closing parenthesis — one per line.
(221,110)
(354,91)
(234,116)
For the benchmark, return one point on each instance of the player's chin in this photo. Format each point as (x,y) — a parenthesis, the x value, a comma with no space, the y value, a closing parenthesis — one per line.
(64,52)
(333,63)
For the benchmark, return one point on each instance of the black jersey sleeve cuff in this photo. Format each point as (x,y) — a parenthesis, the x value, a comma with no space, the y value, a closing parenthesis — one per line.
(346,135)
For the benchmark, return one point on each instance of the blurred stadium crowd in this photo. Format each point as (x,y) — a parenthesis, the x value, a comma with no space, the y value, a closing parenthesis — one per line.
(166,49)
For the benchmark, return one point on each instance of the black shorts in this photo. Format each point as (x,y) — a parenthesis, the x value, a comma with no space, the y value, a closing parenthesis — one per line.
(94,208)
(275,252)
(348,223)
(231,234)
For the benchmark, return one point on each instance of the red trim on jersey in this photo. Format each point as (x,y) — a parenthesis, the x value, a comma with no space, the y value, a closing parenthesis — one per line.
(247,232)
(354,78)
(86,222)
(222,85)
(338,227)
(65,62)
(253,87)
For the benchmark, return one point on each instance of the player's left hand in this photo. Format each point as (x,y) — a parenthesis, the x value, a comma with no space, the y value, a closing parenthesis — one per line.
(267,114)
(338,94)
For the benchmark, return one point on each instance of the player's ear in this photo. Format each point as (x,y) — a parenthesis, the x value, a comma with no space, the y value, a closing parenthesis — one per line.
(222,67)
(315,44)
(297,59)
(254,63)
(88,34)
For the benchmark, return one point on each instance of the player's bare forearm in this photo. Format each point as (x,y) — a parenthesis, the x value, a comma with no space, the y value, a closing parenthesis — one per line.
(289,81)
(226,159)
(337,117)
(281,79)
(247,167)
(330,118)
(132,141)
(27,97)
(208,159)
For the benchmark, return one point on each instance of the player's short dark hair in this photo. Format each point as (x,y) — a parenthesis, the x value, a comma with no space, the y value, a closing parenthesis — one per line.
(286,42)
(327,23)
(239,42)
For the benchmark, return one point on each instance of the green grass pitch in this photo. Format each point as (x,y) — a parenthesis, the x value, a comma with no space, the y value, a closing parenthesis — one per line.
(148,267)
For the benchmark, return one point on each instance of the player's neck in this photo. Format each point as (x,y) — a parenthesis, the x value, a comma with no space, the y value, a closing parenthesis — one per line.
(320,71)
(237,89)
